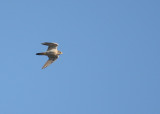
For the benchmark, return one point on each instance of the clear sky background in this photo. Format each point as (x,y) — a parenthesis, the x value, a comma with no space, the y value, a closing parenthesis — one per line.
(110,62)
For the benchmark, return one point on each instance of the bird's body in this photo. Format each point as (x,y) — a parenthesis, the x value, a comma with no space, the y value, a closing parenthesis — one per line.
(51,52)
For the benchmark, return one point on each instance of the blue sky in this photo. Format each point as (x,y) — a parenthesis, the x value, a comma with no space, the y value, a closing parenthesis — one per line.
(110,62)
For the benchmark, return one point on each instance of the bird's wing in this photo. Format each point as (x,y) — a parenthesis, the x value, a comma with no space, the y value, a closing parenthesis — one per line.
(51,46)
(50,61)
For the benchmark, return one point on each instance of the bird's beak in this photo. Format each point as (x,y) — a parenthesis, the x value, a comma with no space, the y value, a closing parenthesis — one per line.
(61,53)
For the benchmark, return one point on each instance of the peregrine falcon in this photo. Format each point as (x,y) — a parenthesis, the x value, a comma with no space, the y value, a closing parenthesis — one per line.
(51,52)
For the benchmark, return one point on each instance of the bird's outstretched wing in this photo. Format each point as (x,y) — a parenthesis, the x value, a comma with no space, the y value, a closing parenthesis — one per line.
(50,61)
(51,46)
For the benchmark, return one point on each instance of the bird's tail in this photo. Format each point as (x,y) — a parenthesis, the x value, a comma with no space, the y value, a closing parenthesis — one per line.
(44,53)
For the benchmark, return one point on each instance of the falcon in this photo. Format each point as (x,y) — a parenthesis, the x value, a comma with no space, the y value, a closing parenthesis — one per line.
(51,52)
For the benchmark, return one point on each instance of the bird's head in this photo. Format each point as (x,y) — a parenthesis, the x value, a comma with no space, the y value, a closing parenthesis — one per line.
(59,53)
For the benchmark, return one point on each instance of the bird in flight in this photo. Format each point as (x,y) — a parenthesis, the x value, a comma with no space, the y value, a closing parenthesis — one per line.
(51,52)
